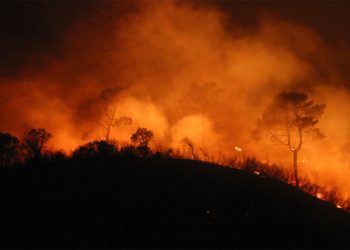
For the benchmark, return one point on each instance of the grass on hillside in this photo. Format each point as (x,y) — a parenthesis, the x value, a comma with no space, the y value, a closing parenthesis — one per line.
(121,200)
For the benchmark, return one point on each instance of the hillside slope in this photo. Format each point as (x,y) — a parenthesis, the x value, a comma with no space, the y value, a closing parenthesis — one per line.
(160,203)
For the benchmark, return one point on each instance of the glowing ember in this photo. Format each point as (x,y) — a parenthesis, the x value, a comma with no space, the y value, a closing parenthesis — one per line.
(338,206)
(257,172)
(319,196)
(238,149)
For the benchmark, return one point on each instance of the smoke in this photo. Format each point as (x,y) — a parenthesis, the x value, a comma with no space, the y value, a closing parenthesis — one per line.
(189,72)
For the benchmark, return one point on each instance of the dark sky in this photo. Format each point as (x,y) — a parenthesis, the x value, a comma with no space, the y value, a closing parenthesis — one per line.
(33,29)
(330,18)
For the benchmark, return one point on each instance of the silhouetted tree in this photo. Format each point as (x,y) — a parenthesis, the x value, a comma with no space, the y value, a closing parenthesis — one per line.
(288,119)
(10,148)
(34,141)
(122,121)
(105,109)
(141,138)
(190,145)
(95,148)
(128,151)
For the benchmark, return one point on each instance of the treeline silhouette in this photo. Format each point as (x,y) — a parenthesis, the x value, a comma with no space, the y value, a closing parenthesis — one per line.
(31,152)
(105,195)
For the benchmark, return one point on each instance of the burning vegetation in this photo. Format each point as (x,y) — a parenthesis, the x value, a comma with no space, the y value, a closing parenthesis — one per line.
(156,79)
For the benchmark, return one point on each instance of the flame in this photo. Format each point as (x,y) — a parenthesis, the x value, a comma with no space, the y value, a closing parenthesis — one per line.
(179,84)
(238,149)
(320,196)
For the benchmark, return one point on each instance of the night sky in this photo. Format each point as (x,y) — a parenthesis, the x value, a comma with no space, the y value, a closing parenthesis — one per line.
(33,29)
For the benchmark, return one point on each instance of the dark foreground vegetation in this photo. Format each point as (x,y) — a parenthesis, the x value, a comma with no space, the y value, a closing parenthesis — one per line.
(98,199)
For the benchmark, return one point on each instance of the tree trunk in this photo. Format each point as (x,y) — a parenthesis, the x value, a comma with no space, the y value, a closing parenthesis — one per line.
(110,124)
(295,164)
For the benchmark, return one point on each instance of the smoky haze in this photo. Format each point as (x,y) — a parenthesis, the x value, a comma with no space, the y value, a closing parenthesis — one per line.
(189,69)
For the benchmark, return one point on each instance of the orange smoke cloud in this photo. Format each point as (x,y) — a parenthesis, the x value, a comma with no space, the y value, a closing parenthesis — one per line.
(188,72)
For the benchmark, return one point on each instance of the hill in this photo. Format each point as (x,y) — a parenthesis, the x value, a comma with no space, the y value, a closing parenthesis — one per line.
(121,202)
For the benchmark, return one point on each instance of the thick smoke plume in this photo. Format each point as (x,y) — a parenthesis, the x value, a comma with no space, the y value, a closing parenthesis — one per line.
(187,71)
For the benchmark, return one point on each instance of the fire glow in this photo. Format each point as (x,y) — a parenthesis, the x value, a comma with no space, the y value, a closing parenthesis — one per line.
(320,196)
(209,83)
(238,149)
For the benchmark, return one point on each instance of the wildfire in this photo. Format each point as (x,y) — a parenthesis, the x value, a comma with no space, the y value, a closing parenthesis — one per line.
(320,196)
(153,57)
(238,149)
